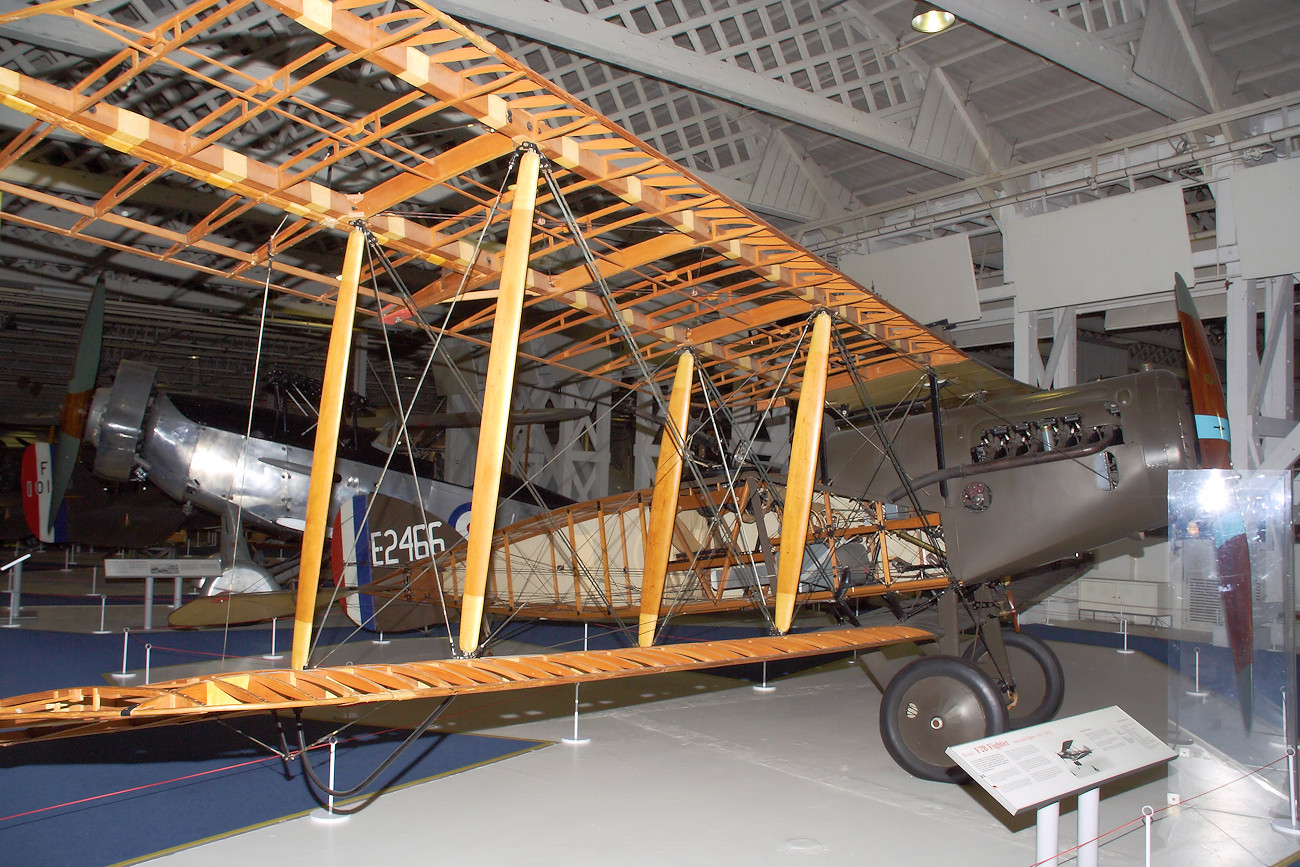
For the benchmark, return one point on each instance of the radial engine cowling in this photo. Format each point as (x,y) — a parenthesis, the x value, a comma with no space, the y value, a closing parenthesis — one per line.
(115,423)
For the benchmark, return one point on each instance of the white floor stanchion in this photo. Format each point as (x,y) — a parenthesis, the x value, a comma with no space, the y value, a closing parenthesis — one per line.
(1123,626)
(380,639)
(124,675)
(148,660)
(576,740)
(273,654)
(1147,813)
(94,580)
(764,687)
(328,814)
(103,604)
(1197,692)
(15,568)
(1291,824)
(1282,744)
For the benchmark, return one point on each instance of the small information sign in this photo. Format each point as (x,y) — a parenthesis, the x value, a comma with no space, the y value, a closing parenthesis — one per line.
(117,567)
(1031,767)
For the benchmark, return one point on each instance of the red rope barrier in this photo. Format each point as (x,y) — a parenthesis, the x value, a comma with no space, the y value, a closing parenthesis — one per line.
(292,754)
(195,652)
(135,789)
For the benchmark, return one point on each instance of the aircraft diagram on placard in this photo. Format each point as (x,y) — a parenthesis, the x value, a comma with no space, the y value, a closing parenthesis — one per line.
(529,202)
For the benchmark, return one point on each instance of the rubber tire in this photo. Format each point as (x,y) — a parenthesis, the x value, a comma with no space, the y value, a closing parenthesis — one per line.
(1037,672)
(952,702)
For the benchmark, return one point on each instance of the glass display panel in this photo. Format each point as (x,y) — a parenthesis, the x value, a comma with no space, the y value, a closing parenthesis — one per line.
(1232,638)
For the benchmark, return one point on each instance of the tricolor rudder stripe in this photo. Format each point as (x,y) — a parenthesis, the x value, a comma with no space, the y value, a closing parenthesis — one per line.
(38,486)
(350,556)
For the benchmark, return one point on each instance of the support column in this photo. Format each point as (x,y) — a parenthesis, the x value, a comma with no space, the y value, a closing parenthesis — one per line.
(663,506)
(1243,373)
(496,401)
(1277,398)
(321,484)
(1062,366)
(1027,363)
(803,471)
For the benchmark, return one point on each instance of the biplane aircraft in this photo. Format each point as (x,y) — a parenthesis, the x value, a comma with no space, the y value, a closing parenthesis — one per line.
(190,455)
(477,201)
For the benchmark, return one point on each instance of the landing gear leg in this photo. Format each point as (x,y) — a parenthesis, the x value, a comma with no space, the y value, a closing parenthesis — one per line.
(1027,673)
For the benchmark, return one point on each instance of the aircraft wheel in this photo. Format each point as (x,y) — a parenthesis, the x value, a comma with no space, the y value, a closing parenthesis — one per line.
(934,703)
(1035,686)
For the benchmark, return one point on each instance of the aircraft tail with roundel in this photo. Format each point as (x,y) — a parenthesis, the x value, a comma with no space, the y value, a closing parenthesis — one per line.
(383,540)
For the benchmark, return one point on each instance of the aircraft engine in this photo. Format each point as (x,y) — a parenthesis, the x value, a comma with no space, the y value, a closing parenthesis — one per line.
(115,421)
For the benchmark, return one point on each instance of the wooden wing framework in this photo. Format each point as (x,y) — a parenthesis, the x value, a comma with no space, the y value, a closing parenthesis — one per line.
(420,153)
(97,709)
(395,121)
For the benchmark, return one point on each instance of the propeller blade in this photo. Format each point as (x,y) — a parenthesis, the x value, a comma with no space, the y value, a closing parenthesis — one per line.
(81,388)
(1231,548)
(1208,404)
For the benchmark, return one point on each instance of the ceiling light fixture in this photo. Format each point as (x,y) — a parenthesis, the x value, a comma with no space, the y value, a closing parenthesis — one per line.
(929,19)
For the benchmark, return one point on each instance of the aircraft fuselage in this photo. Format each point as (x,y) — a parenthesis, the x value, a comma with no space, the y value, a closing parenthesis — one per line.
(1032,479)
(137,430)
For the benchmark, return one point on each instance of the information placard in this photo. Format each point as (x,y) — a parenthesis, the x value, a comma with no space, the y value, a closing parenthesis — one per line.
(1030,767)
(117,567)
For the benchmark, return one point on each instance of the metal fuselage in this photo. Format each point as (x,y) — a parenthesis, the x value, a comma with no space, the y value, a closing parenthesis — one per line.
(1032,479)
(138,430)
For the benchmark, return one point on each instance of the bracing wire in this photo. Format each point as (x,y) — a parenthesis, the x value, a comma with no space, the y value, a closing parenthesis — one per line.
(237,519)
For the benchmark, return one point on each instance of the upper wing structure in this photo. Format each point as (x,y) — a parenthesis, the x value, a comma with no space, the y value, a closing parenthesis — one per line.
(397,116)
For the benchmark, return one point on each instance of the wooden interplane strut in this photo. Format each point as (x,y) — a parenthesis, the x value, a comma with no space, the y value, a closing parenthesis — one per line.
(496,400)
(803,469)
(326,448)
(89,710)
(663,508)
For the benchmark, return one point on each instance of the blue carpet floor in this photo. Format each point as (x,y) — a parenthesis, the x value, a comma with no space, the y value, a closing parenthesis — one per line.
(112,798)
(107,799)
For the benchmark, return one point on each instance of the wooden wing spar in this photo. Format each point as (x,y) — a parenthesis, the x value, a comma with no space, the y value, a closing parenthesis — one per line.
(92,710)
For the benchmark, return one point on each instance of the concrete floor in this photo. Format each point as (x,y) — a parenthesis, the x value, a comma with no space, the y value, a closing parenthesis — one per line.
(701,769)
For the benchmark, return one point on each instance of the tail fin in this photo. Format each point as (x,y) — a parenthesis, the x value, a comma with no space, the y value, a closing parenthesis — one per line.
(350,560)
(47,523)
(376,548)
